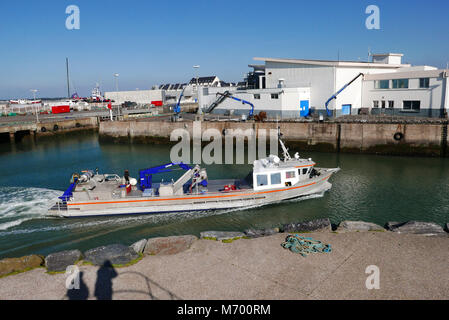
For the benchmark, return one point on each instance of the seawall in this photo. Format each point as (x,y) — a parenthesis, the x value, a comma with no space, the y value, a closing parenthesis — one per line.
(16,131)
(424,139)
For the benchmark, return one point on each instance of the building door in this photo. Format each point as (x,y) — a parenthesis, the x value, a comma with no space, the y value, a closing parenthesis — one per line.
(346,109)
(304,108)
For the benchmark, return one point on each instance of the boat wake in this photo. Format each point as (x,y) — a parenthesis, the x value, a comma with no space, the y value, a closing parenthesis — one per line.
(18,205)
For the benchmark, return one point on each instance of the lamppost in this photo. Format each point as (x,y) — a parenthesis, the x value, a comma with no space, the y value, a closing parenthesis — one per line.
(116,75)
(34,100)
(196,67)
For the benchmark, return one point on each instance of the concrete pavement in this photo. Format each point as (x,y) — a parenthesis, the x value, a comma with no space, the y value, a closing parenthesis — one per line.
(411,267)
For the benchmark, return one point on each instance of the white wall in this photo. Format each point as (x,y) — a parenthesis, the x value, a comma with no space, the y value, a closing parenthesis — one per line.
(432,98)
(138,96)
(324,81)
(320,79)
(287,104)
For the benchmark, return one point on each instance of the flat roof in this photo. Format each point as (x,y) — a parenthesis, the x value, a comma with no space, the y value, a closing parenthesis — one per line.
(334,63)
(414,74)
(387,54)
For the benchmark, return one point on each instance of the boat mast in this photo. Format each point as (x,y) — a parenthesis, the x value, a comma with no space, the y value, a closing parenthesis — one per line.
(284,148)
(68,83)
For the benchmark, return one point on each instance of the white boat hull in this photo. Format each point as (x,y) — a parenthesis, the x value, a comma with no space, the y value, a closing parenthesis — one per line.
(239,199)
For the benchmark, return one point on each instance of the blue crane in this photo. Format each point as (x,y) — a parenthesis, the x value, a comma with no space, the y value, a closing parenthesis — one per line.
(177,108)
(227,94)
(146,175)
(329,113)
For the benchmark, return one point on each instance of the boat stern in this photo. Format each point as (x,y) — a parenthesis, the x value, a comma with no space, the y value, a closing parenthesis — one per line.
(59,209)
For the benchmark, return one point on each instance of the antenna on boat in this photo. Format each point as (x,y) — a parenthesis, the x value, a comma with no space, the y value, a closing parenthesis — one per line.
(284,148)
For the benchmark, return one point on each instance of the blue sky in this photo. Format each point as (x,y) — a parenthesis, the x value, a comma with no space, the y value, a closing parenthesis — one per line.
(152,42)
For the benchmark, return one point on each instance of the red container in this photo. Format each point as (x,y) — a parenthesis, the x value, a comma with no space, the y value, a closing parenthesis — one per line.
(157,103)
(60,109)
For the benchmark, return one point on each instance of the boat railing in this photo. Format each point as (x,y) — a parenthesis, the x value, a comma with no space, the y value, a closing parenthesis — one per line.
(60,206)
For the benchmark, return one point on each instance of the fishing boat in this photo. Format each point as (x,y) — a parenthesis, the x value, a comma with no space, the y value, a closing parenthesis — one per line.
(272,180)
(25,102)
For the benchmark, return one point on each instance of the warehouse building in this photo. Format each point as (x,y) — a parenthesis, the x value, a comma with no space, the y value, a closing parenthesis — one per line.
(416,91)
(292,88)
(137,96)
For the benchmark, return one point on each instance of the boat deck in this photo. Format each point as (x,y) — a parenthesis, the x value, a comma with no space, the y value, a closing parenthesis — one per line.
(111,189)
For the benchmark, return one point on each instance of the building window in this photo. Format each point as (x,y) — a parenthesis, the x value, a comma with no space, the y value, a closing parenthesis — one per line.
(275,178)
(290,175)
(384,104)
(375,104)
(262,180)
(400,84)
(257,96)
(391,104)
(274,96)
(382,84)
(424,82)
(412,105)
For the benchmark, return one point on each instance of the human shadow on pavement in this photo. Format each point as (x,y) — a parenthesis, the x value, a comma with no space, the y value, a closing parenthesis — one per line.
(150,284)
(79,294)
(103,286)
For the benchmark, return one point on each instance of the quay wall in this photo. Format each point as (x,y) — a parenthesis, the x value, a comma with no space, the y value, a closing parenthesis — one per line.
(16,131)
(376,138)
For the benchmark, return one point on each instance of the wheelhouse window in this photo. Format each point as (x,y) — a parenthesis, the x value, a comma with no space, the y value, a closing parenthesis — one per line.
(412,105)
(400,84)
(290,175)
(257,96)
(424,82)
(382,84)
(275,178)
(262,180)
(304,171)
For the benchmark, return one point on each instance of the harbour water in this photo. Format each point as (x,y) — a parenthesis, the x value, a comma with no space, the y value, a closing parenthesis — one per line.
(370,188)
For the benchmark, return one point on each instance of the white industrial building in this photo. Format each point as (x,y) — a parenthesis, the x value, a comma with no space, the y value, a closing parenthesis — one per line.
(416,91)
(282,102)
(137,96)
(169,93)
(292,88)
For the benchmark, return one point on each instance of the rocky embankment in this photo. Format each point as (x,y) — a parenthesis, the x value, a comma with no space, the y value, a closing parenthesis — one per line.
(119,255)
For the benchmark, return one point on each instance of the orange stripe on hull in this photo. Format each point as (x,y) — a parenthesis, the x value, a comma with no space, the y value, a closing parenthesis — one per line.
(309,165)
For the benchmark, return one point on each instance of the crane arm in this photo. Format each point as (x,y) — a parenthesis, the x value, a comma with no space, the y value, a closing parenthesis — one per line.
(146,175)
(177,108)
(251,112)
(338,92)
